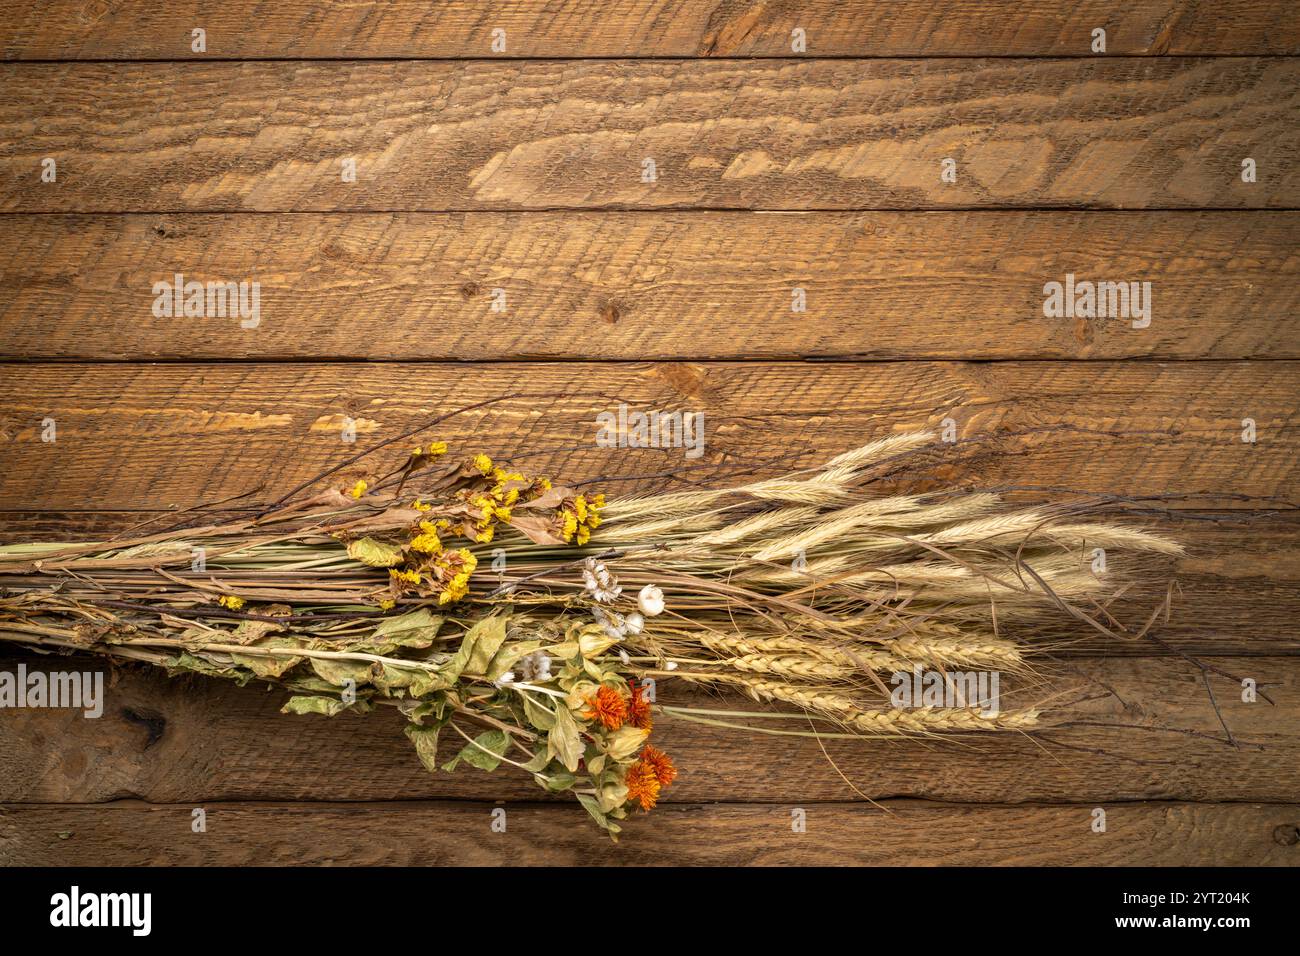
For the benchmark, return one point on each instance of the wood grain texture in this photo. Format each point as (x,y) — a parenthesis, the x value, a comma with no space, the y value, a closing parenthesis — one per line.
(1139,834)
(129,29)
(828,134)
(1145,729)
(652,285)
(160,436)
(521,170)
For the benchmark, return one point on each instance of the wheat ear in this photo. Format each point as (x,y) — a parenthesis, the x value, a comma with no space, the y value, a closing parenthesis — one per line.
(897,722)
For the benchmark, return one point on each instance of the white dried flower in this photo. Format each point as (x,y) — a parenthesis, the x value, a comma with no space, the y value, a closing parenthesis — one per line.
(622,656)
(634,623)
(507,678)
(534,667)
(670,666)
(600,583)
(610,621)
(650,600)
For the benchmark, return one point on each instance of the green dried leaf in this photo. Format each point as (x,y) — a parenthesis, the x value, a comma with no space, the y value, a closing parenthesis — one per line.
(508,656)
(426,744)
(311,684)
(374,554)
(593,807)
(451,670)
(541,717)
(541,760)
(559,781)
(491,747)
(579,692)
(436,710)
(564,651)
(186,662)
(563,741)
(270,666)
(413,629)
(338,672)
(486,638)
(593,641)
(329,706)
(250,632)
(416,681)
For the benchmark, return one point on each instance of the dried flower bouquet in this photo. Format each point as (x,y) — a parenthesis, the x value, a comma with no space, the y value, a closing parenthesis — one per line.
(532,623)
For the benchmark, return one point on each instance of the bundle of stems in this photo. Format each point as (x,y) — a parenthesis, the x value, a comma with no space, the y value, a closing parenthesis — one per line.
(535,624)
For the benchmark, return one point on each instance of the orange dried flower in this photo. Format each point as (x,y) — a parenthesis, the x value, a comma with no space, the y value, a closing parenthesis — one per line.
(608,707)
(638,708)
(659,764)
(642,785)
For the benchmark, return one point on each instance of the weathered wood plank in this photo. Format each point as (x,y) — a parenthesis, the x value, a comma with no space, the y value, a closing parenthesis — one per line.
(653,285)
(158,436)
(130,29)
(195,740)
(827,134)
(911,834)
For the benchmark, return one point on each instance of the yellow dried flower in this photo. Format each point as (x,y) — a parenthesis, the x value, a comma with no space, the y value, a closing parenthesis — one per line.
(483,463)
(437,448)
(410,577)
(458,586)
(501,476)
(428,542)
(359,488)
(594,505)
(231,602)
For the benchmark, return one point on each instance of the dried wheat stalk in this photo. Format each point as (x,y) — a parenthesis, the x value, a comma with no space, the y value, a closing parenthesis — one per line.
(811,590)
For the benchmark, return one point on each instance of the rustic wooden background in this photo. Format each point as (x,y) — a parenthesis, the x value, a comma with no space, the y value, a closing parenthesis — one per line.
(520,170)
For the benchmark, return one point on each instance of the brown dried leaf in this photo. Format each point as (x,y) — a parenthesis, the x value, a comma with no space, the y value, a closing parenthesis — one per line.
(537,528)
(549,499)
